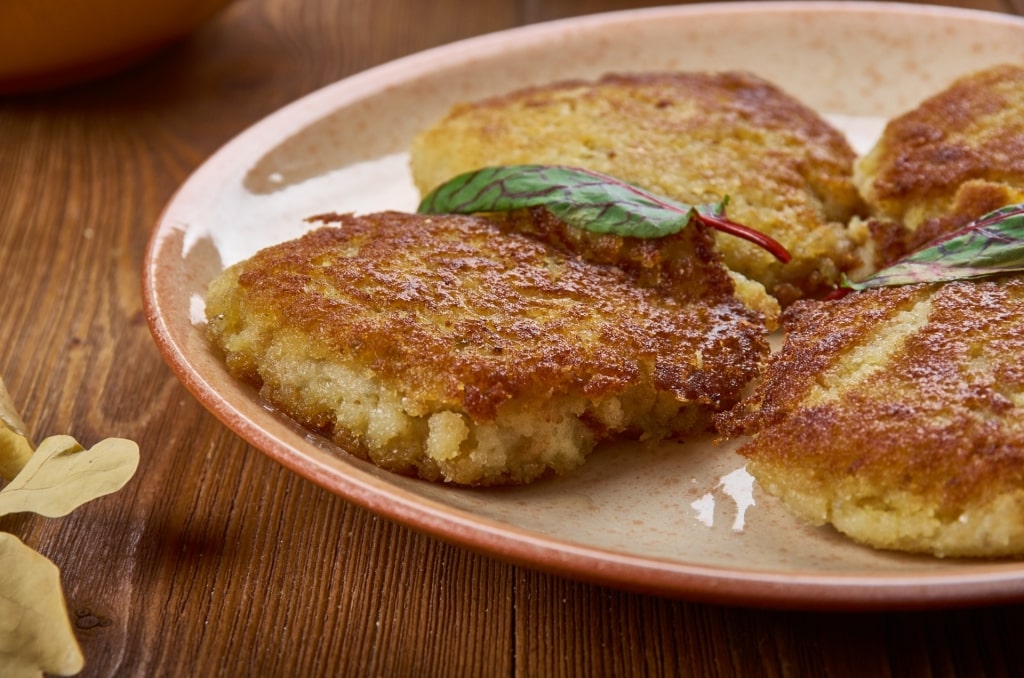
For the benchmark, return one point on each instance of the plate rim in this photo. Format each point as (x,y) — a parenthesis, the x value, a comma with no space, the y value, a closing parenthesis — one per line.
(985,582)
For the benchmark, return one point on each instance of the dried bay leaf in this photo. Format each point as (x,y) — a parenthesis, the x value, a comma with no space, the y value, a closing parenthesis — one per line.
(15,445)
(51,480)
(61,475)
(35,632)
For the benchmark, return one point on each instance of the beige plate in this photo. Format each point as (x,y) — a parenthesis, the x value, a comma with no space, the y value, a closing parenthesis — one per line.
(678,520)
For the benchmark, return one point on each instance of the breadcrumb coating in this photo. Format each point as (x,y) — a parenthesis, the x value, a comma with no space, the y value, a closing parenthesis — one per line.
(953,158)
(453,349)
(694,137)
(897,416)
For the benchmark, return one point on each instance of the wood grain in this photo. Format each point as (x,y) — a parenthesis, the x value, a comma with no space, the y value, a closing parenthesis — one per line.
(215,561)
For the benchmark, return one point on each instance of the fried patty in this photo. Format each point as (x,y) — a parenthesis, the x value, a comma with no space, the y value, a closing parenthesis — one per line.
(897,415)
(450,348)
(955,157)
(694,137)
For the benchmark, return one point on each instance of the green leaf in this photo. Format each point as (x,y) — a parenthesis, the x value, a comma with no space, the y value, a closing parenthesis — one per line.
(61,475)
(991,245)
(579,197)
(584,199)
(35,632)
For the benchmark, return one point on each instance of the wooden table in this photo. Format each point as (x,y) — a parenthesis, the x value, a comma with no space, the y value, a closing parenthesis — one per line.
(217,561)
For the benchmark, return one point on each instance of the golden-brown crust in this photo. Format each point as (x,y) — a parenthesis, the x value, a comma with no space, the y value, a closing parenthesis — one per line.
(460,314)
(956,156)
(684,265)
(695,137)
(817,336)
(913,392)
